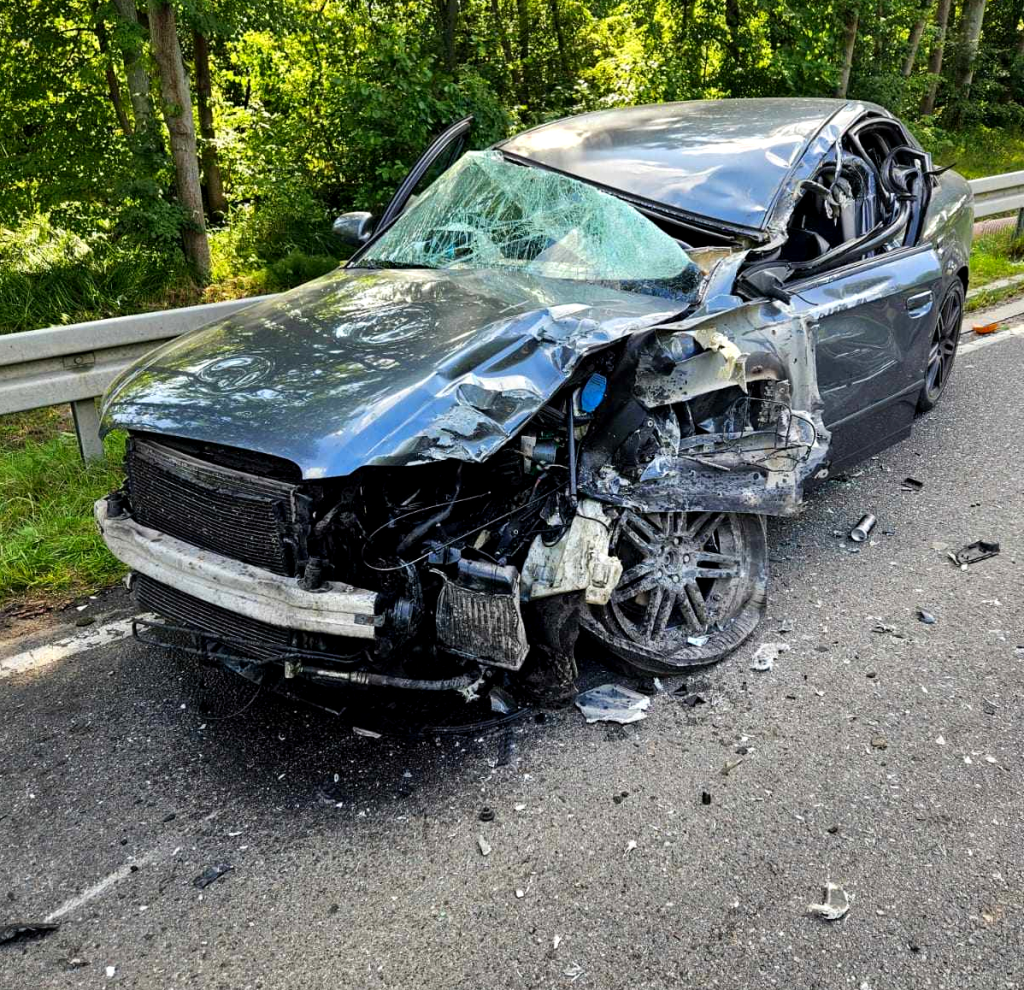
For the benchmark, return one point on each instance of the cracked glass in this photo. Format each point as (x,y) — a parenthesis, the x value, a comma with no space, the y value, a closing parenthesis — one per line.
(487,213)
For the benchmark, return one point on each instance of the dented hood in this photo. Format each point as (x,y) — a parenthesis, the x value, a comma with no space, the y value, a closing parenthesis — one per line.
(379,367)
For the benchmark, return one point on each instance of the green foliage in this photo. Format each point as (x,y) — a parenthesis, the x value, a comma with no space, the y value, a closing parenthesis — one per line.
(48,541)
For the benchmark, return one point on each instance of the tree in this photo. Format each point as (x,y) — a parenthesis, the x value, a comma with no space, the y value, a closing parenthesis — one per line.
(972,18)
(134,67)
(849,45)
(935,58)
(215,198)
(176,99)
(914,41)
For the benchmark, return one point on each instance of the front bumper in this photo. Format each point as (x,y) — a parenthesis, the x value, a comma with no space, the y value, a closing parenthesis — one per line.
(338,610)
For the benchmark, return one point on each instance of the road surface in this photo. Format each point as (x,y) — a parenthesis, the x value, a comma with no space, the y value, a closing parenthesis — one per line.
(887,762)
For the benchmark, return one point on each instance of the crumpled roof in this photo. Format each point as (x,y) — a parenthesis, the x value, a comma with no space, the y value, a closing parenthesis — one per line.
(485,212)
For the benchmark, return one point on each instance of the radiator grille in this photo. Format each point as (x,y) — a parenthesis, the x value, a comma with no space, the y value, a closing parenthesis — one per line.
(239,515)
(263,641)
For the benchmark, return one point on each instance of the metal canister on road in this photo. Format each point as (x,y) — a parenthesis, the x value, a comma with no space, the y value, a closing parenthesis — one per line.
(862,530)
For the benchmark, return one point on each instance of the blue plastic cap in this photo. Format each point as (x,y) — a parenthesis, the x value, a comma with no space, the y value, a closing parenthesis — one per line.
(593,392)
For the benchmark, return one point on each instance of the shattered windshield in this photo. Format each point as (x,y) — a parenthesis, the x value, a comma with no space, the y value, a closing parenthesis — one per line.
(485,212)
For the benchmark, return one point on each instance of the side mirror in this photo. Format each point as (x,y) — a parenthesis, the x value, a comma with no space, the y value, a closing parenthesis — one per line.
(354,229)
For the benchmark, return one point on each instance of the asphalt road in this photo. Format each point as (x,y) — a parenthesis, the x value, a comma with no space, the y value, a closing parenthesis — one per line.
(887,762)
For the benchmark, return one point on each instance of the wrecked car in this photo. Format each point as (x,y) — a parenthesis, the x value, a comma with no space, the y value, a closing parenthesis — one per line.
(551,399)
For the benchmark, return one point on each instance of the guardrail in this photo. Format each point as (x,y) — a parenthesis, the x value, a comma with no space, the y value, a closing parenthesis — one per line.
(999,194)
(74,364)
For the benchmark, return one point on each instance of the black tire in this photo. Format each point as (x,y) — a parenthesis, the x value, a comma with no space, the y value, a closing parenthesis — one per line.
(942,346)
(686,576)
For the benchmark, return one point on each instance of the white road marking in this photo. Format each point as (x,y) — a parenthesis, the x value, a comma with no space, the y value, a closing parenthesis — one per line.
(79,642)
(991,338)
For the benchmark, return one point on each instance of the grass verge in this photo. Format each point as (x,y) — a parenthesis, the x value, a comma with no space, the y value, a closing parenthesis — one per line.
(49,546)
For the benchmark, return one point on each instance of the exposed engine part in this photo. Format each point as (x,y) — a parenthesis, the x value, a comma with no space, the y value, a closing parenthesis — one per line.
(478,615)
(579,561)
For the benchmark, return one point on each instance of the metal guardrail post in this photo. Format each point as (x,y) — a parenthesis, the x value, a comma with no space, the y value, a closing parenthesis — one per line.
(87,428)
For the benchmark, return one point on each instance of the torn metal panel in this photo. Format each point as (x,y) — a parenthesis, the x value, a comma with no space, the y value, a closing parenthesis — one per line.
(579,561)
(757,468)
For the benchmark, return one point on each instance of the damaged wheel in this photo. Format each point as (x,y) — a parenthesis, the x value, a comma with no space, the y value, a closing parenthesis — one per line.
(693,588)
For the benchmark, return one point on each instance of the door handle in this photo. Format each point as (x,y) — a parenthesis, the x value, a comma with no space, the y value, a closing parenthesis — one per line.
(920,304)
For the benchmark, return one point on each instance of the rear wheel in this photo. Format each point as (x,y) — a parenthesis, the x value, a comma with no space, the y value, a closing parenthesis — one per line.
(693,588)
(943,345)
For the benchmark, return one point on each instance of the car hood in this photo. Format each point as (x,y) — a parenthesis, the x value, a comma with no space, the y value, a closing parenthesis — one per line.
(379,367)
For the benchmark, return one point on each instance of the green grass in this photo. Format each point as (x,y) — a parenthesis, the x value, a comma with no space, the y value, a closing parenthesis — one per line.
(996,255)
(977,152)
(49,546)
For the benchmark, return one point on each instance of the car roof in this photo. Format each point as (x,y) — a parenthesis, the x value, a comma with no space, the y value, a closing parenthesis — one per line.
(728,160)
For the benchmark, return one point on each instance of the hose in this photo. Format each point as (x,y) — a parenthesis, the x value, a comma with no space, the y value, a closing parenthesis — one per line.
(368,679)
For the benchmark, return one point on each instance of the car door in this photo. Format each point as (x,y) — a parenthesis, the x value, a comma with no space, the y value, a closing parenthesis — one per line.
(873,320)
(443,152)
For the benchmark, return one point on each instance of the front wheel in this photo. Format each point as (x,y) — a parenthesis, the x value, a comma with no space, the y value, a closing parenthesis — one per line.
(943,345)
(693,587)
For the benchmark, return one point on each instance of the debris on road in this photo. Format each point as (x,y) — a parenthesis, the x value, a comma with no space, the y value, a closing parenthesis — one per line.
(926,617)
(834,905)
(483,845)
(690,699)
(766,654)
(879,742)
(912,485)
(111,972)
(25,930)
(630,846)
(973,552)
(862,530)
(984,328)
(486,814)
(729,766)
(211,874)
(705,798)
(612,703)
(573,972)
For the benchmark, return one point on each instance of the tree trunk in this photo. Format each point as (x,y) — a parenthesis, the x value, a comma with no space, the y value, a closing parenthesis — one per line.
(113,83)
(506,45)
(849,44)
(563,53)
(215,200)
(914,41)
(177,106)
(935,58)
(733,49)
(135,69)
(523,14)
(973,16)
(449,11)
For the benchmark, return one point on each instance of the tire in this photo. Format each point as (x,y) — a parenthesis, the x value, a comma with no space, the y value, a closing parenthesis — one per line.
(693,588)
(942,347)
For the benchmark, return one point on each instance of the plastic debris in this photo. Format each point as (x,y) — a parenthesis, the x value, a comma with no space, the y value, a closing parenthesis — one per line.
(766,654)
(612,703)
(691,699)
(697,640)
(862,530)
(573,972)
(211,874)
(730,765)
(912,485)
(520,893)
(879,742)
(486,814)
(926,617)
(630,846)
(25,930)
(483,845)
(983,328)
(973,552)
(366,733)
(834,905)
(556,941)
(111,971)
